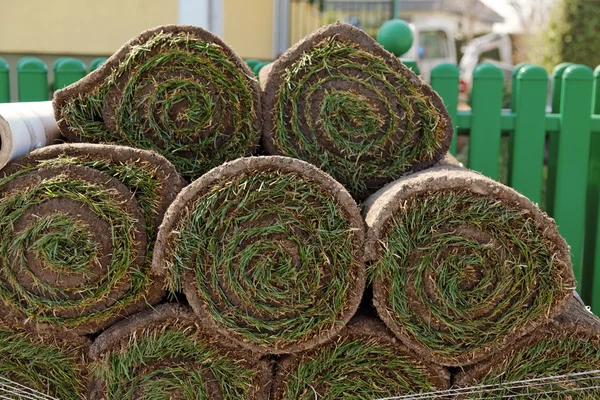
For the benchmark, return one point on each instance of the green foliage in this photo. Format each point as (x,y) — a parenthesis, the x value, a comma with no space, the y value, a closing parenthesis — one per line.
(572,34)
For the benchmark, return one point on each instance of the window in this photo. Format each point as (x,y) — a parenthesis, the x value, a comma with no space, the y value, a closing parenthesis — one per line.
(433,44)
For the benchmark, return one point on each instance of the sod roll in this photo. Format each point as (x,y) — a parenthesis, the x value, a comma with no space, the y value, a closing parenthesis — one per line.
(78,224)
(364,362)
(462,265)
(174,89)
(33,367)
(268,252)
(448,161)
(560,360)
(338,100)
(165,353)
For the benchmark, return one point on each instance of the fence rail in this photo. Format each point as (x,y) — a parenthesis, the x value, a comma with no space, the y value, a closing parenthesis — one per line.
(551,156)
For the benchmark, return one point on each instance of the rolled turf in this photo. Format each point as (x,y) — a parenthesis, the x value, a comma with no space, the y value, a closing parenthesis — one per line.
(78,224)
(364,362)
(174,89)
(166,354)
(461,265)
(51,366)
(268,251)
(569,344)
(338,100)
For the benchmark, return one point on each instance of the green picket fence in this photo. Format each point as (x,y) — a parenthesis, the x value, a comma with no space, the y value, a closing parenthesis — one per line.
(32,77)
(510,141)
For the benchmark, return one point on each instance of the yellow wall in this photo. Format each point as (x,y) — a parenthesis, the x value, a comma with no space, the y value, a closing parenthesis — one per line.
(248,27)
(304,19)
(96,27)
(100,27)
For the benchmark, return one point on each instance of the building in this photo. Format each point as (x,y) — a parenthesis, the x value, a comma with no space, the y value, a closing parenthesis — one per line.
(99,28)
(462,16)
(260,29)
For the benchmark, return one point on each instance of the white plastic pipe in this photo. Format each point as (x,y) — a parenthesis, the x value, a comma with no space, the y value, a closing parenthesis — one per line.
(25,127)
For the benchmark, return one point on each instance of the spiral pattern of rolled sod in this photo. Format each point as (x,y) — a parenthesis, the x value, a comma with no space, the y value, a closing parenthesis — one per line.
(558,361)
(462,265)
(151,178)
(268,251)
(78,224)
(340,101)
(364,362)
(31,366)
(177,90)
(166,354)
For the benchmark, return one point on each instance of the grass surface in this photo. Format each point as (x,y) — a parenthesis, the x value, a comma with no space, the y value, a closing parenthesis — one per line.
(272,256)
(549,357)
(141,177)
(362,369)
(347,111)
(41,367)
(164,363)
(177,95)
(462,272)
(67,245)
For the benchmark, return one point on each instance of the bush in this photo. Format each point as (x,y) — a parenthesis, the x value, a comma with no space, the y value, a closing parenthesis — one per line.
(572,34)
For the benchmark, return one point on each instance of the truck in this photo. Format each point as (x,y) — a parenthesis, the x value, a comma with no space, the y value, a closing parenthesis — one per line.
(436,44)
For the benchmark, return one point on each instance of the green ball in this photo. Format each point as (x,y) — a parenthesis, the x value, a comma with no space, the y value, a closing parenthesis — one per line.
(395,36)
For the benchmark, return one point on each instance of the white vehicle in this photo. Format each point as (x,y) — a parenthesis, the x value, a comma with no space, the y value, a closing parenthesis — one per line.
(432,45)
(495,48)
(435,44)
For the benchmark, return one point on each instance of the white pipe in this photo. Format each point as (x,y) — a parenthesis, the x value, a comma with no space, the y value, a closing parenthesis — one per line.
(25,127)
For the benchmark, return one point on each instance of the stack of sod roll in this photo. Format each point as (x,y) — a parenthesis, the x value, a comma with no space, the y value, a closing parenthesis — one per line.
(160,258)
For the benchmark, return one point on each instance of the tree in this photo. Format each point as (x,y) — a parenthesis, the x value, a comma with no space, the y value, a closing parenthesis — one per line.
(533,17)
(572,34)
(532,14)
